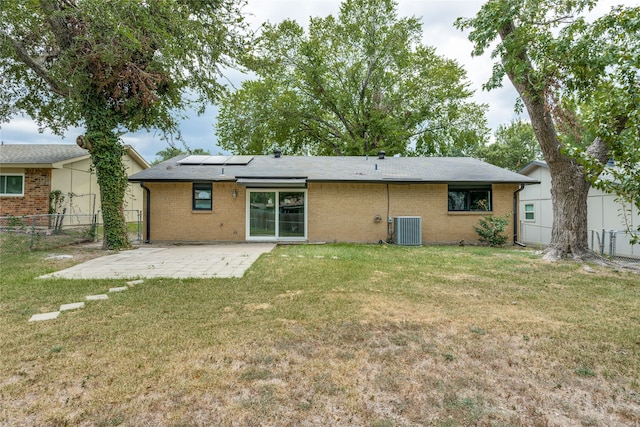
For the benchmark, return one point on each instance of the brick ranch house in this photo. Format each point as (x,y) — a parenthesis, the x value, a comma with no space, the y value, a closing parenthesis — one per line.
(30,172)
(409,200)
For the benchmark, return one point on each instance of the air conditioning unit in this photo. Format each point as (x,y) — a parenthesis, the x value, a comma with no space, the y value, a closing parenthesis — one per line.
(407,230)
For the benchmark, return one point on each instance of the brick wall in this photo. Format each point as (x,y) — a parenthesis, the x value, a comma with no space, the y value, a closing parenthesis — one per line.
(335,212)
(172,218)
(347,212)
(37,186)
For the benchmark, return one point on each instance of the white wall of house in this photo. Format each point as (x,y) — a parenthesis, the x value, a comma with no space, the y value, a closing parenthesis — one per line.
(603,213)
(79,185)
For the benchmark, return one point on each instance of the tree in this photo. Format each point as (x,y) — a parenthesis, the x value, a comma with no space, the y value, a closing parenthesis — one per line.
(173,151)
(354,84)
(113,66)
(568,71)
(515,146)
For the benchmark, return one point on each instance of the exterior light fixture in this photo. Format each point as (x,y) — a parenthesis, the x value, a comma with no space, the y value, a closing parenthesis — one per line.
(234,193)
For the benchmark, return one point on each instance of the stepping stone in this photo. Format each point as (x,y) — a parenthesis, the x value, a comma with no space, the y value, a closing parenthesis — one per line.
(120,289)
(59,257)
(72,306)
(97,297)
(134,282)
(44,316)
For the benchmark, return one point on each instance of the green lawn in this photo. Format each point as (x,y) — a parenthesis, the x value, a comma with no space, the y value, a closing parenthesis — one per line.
(328,335)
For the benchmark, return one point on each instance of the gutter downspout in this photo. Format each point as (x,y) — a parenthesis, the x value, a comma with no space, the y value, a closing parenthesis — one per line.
(515,216)
(148,213)
(389,221)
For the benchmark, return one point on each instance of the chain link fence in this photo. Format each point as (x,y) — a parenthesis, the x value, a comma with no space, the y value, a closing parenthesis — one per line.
(41,232)
(614,244)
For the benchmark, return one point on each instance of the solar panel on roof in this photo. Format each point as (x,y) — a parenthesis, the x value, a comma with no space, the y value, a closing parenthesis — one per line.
(239,160)
(215,160)
(200,160)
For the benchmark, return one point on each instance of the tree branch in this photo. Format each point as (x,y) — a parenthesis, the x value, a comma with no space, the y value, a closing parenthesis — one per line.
(334,147)
(331,128)
(533,98)
(565,19)
(37,65)
(58,24)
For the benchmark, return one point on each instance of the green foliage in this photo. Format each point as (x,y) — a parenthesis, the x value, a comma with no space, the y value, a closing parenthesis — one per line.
(141,58)
(106,155)
(113,66)
(352,84)
(515,146)
(56,199)
(16,223)
(606,92)
(585,371)
(491,229)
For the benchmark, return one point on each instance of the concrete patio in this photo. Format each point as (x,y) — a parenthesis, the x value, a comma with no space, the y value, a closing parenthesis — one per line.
(178,262)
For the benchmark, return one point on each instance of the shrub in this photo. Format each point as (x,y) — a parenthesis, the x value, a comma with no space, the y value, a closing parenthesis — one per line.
(491,229)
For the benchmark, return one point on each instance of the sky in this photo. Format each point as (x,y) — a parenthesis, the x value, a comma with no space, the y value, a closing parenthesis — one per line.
(437,17)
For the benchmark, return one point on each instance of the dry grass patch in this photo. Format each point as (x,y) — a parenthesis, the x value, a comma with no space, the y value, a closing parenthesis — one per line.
(331,335)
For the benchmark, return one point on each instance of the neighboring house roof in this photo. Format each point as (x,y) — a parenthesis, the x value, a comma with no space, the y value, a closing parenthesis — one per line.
(532,166)
(248,169)
(53,156)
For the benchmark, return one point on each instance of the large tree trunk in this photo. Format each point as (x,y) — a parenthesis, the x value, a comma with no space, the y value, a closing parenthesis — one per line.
(570,185)
(569,182)
(106,155)
(569,191)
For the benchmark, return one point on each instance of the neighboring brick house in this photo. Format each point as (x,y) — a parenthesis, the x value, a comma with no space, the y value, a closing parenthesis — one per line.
(30,172)
(323,199)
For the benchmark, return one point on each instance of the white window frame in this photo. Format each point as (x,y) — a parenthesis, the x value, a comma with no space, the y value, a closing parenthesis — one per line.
(275,238)
(13,194)
(532,212)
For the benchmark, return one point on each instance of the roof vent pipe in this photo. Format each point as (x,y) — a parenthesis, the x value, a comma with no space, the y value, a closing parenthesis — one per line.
(381,154)
(277,153)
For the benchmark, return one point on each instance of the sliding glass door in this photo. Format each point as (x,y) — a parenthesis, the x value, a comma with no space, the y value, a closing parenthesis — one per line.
(262,214)
(276,215)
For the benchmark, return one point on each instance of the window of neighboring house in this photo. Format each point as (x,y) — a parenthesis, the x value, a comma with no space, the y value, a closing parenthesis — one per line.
(12,185)
(529,213)
(466,199)
(202,199)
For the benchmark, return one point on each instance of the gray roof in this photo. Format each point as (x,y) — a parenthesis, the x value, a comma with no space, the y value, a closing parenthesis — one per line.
(338,169)
(533,165)
(39,154)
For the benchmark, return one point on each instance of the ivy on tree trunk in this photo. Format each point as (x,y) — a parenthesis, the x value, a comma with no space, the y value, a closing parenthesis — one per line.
(106,155)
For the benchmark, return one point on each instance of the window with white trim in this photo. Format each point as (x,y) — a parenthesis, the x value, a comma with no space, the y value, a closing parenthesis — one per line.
(529,212)
(12,185)
(276,214)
